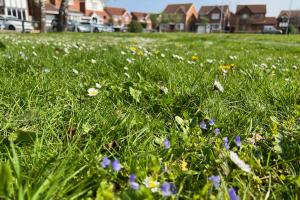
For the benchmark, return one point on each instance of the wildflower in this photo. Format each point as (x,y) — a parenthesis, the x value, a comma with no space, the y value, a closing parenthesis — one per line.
(240,163)
(210,61)
(93,61)
(92,92)
(183,166)
(167,144)
(162,55)
(294,67)
(168,189)
(195,58)
(105,162)
(211,122)
(233,195)
(134,185)
(34,53)
(126,68)
(75,71)
(151,184)
(215,181)
(226,143)
(133,49)
(238,141)
(217,131)
(46,70)
(129,60)
(123,53)
(203,125)
(164,89)
(218,86)
(127,75)
(116,165)
(98,86)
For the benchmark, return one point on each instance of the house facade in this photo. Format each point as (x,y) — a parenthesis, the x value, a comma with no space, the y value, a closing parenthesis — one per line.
(142,18)
(178,17)
(289,17)
(15,8)
(118,17)
(214,19)
(250,18)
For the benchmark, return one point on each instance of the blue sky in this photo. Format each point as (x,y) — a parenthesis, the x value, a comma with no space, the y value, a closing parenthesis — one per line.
(273,6)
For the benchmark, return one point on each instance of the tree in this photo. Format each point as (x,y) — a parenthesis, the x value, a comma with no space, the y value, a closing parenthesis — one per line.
(62,16)
(154,19)
(43,16)
(135,27)
(170,18)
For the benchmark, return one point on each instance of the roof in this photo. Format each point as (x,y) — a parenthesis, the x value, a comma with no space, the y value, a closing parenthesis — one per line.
(139,14)
(174,8)
(270,20)
(253,8)
(291,13)
(205,10)
(115,11)
(50,7)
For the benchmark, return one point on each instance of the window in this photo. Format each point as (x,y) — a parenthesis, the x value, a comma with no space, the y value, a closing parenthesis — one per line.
(215,16)
(215,26)
(245,16)
(19,14)
(24,15)
(14,13)
(8,11)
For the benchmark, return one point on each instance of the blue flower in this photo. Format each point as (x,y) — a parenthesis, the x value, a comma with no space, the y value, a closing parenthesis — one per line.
(233,195)
(134,185)
(203,125)
(116,165)
(211,122)
(167,144)
(105,162)
(168,189)
(238,141)
(226,143)
(217,131)
(215,180)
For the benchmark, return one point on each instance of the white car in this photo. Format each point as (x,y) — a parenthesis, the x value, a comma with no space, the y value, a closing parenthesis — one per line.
(15,24)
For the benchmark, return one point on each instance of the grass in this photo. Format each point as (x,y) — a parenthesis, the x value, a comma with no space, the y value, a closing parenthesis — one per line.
(54,136)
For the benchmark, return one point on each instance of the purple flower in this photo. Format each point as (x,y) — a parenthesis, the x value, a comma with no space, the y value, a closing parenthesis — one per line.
(116,165)
(211,122)
(167,144)
(215,180)
(217,131)
(134,185)
(238,141)
(233,195)
(226,143)
(168,189)
(203,125)
(105,162)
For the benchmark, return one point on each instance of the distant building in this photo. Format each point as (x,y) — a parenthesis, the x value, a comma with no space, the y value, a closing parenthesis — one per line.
(16,8)
(179,17)
(214,19)
(143,18)
(289,17)
(118,17)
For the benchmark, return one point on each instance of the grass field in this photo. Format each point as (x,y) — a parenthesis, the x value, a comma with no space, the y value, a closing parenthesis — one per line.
(149,116)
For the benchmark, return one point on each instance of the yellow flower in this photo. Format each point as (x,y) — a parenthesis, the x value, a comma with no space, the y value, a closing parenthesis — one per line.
(133,49)
(92,92)
(227,67)
(183,166)
(140,53)
(195,58)
(151,184)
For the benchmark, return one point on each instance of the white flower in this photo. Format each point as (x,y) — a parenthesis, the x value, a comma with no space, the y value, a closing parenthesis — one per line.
(75,71)
(164,89)
(151,184)
(232,57)
(92,92)
(93,61)
(218,86)
(98,86)
(294,67)
(46,70)
(126,68)
(240,163)
(126,74)
(210,61)
(34,53)
(123,53)
(162,55)
(129,60)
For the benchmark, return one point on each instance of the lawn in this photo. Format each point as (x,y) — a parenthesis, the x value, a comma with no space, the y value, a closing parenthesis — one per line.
(149,116)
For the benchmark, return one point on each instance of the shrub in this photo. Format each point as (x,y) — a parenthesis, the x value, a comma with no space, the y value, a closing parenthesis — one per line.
(135,27)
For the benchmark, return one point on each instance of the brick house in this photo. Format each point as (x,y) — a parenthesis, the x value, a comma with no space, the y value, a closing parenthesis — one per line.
(287,17)
(14,8)
(143,18)
(93,10)
(214,19)
(119,17)
(178,17)
(250,18)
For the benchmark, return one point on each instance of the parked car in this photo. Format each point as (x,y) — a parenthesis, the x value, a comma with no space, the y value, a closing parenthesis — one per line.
(107,28)
(2,26)
(15,24)
(271,30)
(83,27)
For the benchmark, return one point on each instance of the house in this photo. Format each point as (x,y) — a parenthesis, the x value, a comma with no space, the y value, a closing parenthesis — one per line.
(214,19)
(142,18)
(178,17)
(250,18)
(93,11)
(119,17)
(289,17)
(15,8)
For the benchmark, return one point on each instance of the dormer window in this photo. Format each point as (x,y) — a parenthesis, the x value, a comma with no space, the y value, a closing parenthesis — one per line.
(245,16)
(215,16)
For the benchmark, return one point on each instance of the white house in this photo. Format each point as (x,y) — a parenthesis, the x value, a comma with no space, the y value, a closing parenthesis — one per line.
(17,8)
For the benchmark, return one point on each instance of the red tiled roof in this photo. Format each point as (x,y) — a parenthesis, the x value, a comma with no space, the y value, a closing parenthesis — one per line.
(291,13)
(205,10)
(139,14)
(253,8)
(270,21)
(115,11)
(174,8)
(51,7)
